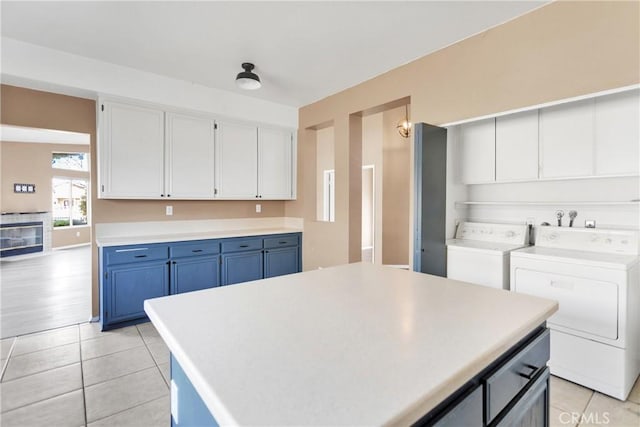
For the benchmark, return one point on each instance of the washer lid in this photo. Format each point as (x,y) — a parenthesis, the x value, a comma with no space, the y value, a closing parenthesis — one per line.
(477,245)
(596,259)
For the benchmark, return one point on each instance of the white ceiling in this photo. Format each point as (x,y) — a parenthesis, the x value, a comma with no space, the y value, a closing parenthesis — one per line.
(303,51)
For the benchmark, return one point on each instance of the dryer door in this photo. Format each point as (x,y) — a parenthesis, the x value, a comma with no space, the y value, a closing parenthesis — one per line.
(585,305)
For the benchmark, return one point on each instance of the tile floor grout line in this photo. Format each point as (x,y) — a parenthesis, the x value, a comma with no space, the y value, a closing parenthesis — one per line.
(40,401)
(39,372)
(123,375)
(582,414)
(152,357)
(115,352)
(4,367)
(84,397)
(128,409)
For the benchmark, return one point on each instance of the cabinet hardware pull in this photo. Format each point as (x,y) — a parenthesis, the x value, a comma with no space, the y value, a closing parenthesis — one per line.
(197,250)
(282,243)
(244,246)
(168,195)
(530,375)
(162,195)
(174,263)
(139,256)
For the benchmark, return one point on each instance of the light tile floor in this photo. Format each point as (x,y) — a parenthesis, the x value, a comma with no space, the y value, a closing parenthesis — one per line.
(79,376)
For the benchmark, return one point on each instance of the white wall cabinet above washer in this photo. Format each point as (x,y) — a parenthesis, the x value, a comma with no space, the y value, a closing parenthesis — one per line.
(477,150)
(237,161)
(617,134)
(131,152)
(190,160)
(567,140)
(517,147)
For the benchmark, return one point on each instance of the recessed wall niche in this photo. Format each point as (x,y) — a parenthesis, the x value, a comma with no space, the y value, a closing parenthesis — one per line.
(325,175)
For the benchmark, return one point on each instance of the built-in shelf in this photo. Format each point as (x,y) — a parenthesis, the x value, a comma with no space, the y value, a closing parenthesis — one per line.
(513,203)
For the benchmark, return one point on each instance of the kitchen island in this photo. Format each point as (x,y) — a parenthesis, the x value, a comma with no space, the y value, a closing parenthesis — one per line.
(357,344)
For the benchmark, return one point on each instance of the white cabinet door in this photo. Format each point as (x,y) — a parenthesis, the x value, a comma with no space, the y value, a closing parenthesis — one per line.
(131,152)
(566,140)
(477,145)
(237,161)
(274,163)
(617,138)
(517,147)
(190,157)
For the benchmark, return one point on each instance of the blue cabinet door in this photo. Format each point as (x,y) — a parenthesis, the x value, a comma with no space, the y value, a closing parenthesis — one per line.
(128,285)
(241,267)
(278,262)
(195,273)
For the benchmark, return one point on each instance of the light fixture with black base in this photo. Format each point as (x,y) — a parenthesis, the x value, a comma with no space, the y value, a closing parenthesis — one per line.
(247,79)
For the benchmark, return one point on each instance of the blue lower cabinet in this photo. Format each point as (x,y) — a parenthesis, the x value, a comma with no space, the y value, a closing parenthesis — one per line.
(194,274)
(241,267)
(278,262)
(187,407)
(128,285)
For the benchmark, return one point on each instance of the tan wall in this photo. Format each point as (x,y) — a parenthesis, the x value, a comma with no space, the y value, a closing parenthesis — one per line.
(561,50)
(396,158)
(25,107)
(31,163)
(62,237)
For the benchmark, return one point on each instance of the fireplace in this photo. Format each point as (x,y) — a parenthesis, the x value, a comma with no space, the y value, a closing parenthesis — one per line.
(21,238)
(24,233)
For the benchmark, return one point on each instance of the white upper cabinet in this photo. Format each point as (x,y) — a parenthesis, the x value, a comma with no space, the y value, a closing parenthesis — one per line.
(150,153)
(190,160)
(131,151)
(275,148)
(237,161)
(517,147)
(567,140)
(617,140)
(477,149)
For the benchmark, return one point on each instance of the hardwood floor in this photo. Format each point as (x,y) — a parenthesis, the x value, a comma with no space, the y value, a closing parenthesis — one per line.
(45,292)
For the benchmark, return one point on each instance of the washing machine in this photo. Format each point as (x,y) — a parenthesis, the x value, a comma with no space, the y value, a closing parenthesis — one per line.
(594,275)
(480,252)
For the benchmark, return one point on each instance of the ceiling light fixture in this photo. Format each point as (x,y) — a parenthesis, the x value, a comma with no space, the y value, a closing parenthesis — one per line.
(247,79)
(404,125)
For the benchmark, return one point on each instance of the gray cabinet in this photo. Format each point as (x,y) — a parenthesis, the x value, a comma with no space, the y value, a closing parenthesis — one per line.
(513,391)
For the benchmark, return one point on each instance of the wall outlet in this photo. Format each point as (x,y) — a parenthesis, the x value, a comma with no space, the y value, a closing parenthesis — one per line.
(531,221)
(258,208)
(169,210)
(77,234)
(590,223)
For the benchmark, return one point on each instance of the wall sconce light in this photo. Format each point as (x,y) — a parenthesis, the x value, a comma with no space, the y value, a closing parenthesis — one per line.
(404,125)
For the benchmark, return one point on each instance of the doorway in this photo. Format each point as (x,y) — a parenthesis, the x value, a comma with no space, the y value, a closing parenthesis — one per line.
(49,287)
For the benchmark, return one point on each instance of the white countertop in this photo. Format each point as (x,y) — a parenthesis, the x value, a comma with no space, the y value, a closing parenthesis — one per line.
(179,237)
(357,344)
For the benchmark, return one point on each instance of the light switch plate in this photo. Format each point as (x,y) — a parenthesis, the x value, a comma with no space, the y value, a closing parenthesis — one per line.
(258,208)
(169,210)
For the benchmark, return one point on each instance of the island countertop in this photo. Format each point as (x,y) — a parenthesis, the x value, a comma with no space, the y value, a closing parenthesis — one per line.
(357,344)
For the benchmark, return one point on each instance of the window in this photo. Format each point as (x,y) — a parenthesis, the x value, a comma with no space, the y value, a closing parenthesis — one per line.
(69,201)
(70,161)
